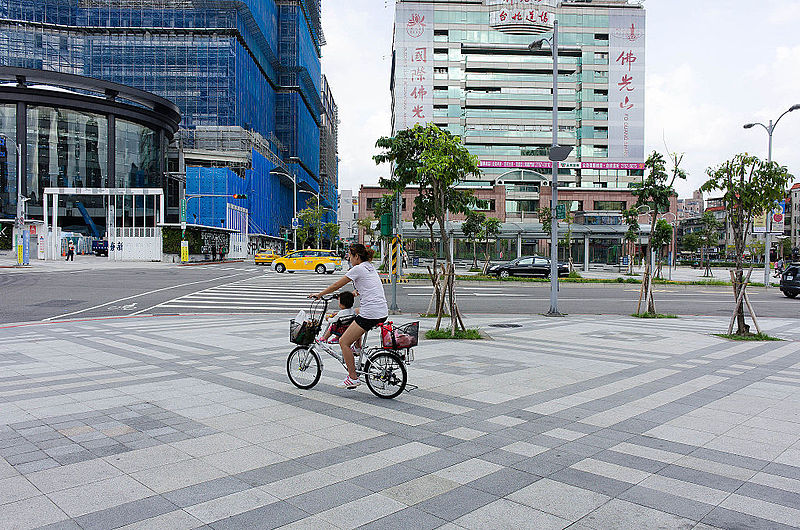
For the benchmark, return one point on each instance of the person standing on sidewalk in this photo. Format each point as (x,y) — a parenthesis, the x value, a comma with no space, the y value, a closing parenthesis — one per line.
(70,251)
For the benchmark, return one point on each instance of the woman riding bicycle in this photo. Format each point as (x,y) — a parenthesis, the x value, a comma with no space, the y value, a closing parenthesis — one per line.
(373,309)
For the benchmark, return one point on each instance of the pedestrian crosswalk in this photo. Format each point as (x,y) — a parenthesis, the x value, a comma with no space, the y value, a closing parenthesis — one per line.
(267,293)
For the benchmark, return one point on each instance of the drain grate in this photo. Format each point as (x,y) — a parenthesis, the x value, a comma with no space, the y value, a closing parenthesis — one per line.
(505,325)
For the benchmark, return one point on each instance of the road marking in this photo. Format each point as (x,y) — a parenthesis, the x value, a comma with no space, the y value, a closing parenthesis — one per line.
(136,296)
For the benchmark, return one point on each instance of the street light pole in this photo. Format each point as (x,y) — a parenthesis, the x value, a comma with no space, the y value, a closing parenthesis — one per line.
(557,154)
(768,221)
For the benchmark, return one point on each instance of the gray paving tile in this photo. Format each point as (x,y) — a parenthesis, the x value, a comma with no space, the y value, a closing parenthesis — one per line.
(770,494)
(205,491)
(436,461)
(36,465)
(504,458)
(597,483)
(503,482)
(782,470)
(272,516)
(732,520)
(624,459)
(456,502)
(688,508)
(322,499)
(131,512)
(273,473)
(386,478)
(407,518)
(701,477)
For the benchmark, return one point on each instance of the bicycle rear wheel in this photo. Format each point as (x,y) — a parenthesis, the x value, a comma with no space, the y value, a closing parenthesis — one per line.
(303,367)
(385,374)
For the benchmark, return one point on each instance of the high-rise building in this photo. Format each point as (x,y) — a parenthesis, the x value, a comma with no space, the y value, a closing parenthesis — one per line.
(348,216)
(466,66)
(246,77)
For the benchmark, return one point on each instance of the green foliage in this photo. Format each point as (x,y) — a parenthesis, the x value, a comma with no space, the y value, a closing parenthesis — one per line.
(574,275)
(471,227)
(171,240)
(490,228)
(654,191)
(331,231)
(467,334)
(692,241)
(365,224)
(631,218)
(786,247)
(653,315)
(661,235)
(749,337)
(546,218)
(310,222)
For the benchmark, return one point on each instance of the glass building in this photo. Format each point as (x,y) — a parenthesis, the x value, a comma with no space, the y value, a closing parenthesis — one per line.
(492,90)
(245,75)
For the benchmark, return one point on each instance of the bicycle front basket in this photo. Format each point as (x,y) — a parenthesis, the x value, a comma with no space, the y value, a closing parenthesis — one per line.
(302,333)
(400,337)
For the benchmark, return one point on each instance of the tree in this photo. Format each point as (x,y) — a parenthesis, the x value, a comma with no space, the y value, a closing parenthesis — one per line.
(655,191)
(631,218)
(435,161)
(750,186)
(331,231)
(546,218)
(490,230)
(661,236)
(692,241)
(365,224)
(309,225)
(472,228)
(709,237)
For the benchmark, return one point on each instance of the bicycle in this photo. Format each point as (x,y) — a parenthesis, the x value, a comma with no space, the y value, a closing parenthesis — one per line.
(384,368)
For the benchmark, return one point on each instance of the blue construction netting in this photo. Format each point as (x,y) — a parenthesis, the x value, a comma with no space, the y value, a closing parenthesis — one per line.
(248,63)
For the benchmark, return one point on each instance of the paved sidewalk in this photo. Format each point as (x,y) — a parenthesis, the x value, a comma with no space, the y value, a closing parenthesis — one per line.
(586,423)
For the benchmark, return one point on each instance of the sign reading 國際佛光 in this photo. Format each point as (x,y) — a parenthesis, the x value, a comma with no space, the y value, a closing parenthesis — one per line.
(413,71)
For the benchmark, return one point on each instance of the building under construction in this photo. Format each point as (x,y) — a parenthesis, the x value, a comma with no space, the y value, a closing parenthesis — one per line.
(247,80)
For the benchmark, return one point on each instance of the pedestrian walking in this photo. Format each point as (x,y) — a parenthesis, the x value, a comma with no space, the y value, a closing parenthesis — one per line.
(70,251)
(222,252)
(213,252)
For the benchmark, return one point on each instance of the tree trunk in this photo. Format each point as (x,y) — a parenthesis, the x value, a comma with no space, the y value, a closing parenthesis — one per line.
(474,254)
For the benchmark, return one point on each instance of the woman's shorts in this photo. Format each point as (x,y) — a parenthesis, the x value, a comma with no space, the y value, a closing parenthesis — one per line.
(369,323)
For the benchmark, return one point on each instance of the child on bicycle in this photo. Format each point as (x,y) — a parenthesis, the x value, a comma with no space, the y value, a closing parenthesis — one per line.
(335,323)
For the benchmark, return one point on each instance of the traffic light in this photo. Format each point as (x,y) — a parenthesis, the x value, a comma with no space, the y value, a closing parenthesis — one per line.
(386,225)
(239,196)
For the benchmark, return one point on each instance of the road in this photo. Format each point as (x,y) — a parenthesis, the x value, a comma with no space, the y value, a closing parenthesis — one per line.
(245,288)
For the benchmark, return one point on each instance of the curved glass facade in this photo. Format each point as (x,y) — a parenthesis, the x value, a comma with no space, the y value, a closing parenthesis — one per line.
(69,148)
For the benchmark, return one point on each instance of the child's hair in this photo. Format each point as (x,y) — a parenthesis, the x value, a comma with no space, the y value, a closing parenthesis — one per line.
(364,253)
(346,298)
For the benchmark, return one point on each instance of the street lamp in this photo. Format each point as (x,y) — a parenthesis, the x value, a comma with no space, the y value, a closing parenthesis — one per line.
(280,171)
(557,154)
(768,235)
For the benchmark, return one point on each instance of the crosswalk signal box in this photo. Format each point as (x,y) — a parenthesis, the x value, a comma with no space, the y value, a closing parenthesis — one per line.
(386,225)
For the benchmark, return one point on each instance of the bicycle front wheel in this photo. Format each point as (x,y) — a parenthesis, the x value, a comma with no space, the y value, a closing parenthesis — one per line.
(303,367)
(386,375)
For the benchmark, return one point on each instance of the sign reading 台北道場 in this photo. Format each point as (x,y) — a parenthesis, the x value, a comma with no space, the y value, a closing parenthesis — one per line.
(413,70)
(521,16)
(626,86)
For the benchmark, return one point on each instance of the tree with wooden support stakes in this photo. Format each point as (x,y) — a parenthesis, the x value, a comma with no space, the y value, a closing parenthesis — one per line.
(472,230)
(631,218)
(750,187)
(435,161)
(655,192)
(490,231)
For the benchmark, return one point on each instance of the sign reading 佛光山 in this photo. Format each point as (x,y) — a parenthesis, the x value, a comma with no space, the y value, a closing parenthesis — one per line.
(521,17)
(413,71)
(626,87)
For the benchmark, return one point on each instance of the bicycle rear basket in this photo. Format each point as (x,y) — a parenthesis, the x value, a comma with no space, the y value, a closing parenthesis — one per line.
(400,337)
(303,333)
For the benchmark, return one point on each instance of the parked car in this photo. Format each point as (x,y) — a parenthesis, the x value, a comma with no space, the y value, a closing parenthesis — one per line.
(100,247)
(319,260)
(265,256)
(527,266)
(790,281)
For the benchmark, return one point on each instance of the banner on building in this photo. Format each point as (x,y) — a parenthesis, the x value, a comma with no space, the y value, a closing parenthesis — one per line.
(544,164)
(778,217)
(413,65)
(626,86)
(521,17)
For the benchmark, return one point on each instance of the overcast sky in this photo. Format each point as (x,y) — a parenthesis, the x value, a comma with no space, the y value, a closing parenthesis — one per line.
(712,66)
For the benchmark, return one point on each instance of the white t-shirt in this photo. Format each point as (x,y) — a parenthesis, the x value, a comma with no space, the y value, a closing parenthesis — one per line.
(370,289)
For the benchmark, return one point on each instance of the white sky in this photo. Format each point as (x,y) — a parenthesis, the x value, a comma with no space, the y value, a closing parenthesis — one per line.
(712,66)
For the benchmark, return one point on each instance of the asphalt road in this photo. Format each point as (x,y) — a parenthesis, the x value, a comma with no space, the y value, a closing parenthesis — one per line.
(35,296)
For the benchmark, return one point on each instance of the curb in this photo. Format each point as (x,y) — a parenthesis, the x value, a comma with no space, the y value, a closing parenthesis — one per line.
(196,263)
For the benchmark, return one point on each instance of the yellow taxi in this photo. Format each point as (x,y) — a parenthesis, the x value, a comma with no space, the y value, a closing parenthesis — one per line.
(265,256)
(311,259)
